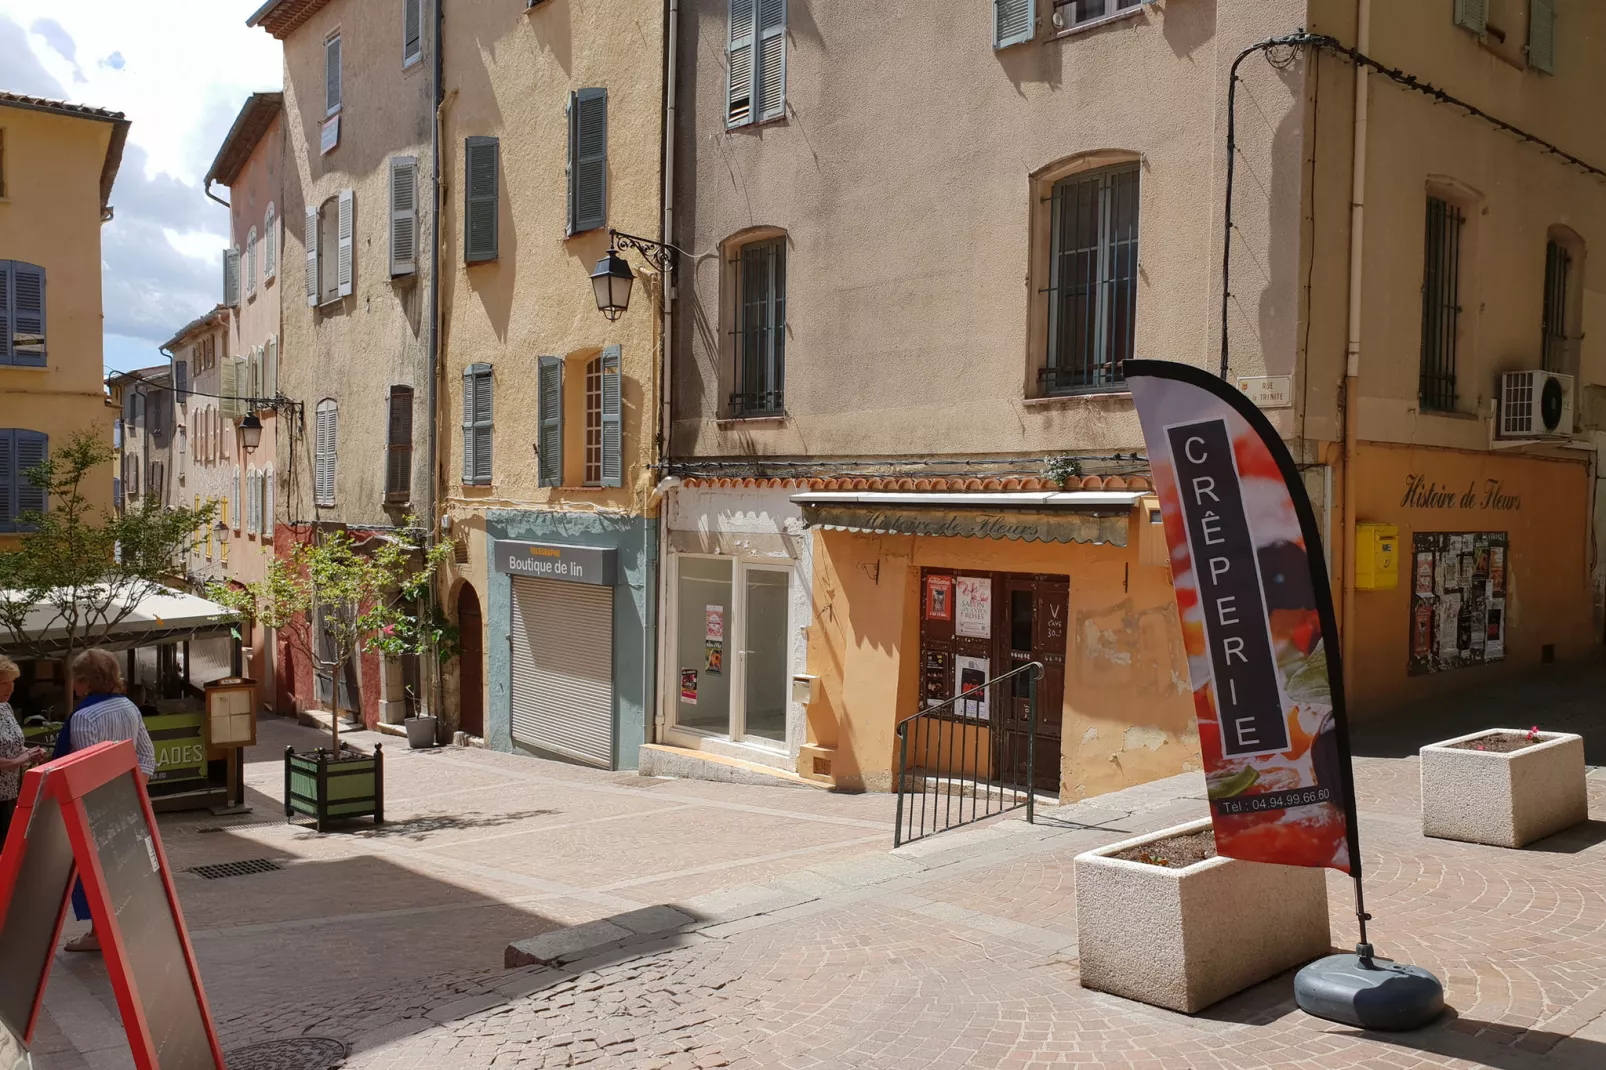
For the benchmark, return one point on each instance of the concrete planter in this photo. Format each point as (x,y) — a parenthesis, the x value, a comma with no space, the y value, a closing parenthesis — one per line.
(1503,799)
(1186,938)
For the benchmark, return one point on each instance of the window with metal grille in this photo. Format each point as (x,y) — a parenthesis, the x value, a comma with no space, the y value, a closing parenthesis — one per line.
(759,270)
(1558,275)
(1441,304)
(593,472)
(1092,280)
(399,442)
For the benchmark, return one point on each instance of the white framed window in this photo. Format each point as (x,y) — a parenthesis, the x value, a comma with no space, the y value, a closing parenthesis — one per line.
(1075,14)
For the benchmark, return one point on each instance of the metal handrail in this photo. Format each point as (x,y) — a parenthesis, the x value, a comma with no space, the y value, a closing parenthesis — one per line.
(936,763)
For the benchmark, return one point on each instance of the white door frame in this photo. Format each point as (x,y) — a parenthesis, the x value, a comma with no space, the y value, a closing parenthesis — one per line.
(739,734)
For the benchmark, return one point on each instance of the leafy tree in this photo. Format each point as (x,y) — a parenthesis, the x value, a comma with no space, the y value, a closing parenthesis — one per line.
(364,596)
(80,572)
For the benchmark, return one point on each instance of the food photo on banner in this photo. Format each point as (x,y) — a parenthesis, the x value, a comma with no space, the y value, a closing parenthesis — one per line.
(1257,620)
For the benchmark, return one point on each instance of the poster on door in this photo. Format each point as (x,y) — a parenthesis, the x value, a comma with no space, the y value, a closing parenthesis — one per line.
(973,606)
(939,598)
(1458,603)
(973,673)
(688,687)
(713,623)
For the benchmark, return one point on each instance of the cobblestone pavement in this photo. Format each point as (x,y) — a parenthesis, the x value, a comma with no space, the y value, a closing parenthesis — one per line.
(797,940)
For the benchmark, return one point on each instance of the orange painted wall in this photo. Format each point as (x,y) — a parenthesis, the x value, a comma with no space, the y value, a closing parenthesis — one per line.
(1549,599)
(1128,717)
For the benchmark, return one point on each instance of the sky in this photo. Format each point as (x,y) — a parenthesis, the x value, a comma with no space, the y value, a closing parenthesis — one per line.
(180,70)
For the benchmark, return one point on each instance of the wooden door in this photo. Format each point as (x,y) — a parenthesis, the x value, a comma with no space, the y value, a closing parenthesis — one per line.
(1032,628)
(471,662)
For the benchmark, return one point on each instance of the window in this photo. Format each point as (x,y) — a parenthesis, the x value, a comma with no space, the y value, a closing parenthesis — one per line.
(19,451)
(158,480)
(1558,271)
(270,245)
(331,226)
(183,441)
(22,314)
(1092,280)
(756,56)
(588,160)
(1069,13)
(399,440)
(181,381)
(412,32)
(1542,35)
(481,199)
(478,388)
(593,453)
(549,437)
(759,272)
(1441,304)
(326,436)
(403,215)
(331,59)
(251,263)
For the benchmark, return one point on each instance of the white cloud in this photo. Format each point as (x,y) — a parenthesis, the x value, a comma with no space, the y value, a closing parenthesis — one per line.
(180,72)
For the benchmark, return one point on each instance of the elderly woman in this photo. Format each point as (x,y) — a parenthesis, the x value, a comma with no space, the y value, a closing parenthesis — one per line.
(102,714)
(15,755)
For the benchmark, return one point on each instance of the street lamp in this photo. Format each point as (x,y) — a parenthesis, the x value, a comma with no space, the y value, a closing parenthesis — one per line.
(613,278)
(251,432)
(222,530)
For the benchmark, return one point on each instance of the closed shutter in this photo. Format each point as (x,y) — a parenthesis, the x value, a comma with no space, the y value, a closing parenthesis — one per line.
(181,381)
(231,276)
(236,502)
(612,415)
(348,234)
(8,480)
(331,56)
(27,336)
(312,256)
(248,504)
(399,452)
(588,160)
(403,215)
(229,387)
(1473,14)
(31,449)
(324,453)
(769,81)
(480,210)
(1542,35)
(270,244)
(1014,22)
(561,698)
(412,31)
(251,262)
(549,464)
(739,58)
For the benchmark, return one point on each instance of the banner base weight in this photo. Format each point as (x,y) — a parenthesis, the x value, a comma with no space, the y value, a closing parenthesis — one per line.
(1370,993)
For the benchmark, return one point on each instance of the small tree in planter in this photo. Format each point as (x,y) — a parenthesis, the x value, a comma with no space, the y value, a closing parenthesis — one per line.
(416,627)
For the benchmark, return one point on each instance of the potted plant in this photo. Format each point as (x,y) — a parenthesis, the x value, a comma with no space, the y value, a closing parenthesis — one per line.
(1164,920)
(1503,787)
(358,595)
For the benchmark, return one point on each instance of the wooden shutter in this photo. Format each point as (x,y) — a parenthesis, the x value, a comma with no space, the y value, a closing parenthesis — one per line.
(312,256)
(588,160)
(270,244)
(480,156)
(324,454)
(549,469)
(231,276)
(739,58)
(1542,35)
(613,474)
(239,506)
(331,55)
(1473,14)
(5,311)
(8,479)
(31,449)
(267,502)
(251,262)
(348,235)
(412,31)
(468,424)
(399,442)
(769,81)
(483,412)
(1014,22)
(181,381)
(229,388)
(27,336)
(404,211)
(270,368)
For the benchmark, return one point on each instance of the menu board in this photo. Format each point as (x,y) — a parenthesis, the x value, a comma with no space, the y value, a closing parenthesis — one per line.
(1458,599)
(35,880)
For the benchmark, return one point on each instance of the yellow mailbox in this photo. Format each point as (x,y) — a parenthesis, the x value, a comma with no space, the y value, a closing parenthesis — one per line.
(1377,556)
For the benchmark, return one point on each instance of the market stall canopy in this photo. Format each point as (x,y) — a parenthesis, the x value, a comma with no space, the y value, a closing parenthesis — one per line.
(166,616)
(1093,516)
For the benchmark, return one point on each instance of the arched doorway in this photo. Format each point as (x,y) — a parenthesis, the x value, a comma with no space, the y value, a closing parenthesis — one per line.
(471,663)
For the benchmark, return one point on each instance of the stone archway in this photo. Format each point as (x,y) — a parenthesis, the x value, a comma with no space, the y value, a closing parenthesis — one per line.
(471,663)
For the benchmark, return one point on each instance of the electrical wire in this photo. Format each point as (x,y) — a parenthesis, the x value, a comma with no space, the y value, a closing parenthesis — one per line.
(272,402)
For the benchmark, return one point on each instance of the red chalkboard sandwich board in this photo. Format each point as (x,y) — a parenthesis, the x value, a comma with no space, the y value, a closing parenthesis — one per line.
(88,813)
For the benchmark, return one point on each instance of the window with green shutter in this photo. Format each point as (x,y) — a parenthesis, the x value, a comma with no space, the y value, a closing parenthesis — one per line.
(478,413)
(1472,14)
(549,441)
(588,160)
(480,185)
(1014,22)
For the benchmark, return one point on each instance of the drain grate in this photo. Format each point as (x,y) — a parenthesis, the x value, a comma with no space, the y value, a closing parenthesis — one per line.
(236,869)
(297,1053)
(241,825)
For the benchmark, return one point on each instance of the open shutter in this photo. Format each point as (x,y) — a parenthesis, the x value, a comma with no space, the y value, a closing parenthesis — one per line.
(1473,14)
(27,336)
(1542,35)
(1014,22)
(468,424)
(480,155)
(267,502)
(331,55)
(270,244)
(251,262)
(238,502)
(769,82)
(5,311)
(549,470)
(739,57)
(231,277)
(412,31)
(588,160)
(228,387)
(484,389)
(348,234)
(312,256)
(399,443)
(31,450)
(8,480)
(613,473)
(403,214)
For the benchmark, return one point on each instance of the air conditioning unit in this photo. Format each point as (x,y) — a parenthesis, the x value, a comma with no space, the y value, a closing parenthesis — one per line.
(1536,404)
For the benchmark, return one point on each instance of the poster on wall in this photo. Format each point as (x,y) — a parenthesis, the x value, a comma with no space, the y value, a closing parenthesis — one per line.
(1256,610)
(973,673)
(688,686)
(939,598)
(1458,603)
(973,606)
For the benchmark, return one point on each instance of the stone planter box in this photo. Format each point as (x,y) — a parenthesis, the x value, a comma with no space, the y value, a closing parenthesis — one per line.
(1503,799)
(1186,938)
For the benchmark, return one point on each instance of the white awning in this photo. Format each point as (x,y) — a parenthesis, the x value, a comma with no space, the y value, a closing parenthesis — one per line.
(1020,499)
(166,616)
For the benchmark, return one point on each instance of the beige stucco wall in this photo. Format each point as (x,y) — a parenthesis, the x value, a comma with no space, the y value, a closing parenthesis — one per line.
(908,203)
(509,75)
(50,216)
(204,470)
(353,350)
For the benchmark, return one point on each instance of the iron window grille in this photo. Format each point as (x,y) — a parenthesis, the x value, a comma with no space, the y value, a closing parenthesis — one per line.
(1558,275)
(1441,304)
(760,332)
(1092,281)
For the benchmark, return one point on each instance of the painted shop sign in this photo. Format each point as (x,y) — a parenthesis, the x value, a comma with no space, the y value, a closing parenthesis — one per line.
(548,561)
(1423,493)
(1029,527)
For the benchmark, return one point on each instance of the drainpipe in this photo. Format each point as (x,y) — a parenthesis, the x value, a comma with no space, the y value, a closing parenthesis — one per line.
(215,197)
(666,233)
(432,492)
(1352,348)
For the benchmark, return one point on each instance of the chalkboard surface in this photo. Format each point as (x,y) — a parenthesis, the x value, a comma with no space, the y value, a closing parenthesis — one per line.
(27,940)
(155,954)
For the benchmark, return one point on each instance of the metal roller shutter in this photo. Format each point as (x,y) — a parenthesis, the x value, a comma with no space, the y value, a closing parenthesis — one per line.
(562,662)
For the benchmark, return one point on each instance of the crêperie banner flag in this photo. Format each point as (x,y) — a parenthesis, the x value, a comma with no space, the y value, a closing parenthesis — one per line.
(1257,621)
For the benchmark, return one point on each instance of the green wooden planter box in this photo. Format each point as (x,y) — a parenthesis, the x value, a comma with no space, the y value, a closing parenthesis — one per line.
(321,786)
